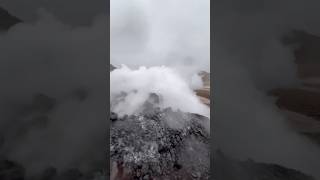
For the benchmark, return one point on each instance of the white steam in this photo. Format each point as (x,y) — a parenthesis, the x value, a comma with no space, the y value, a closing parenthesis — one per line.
(138,84)
(170,39)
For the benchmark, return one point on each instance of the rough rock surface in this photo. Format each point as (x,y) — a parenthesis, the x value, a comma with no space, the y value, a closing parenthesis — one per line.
(147,146)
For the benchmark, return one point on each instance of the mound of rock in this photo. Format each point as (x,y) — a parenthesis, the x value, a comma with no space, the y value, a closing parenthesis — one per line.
(148,146)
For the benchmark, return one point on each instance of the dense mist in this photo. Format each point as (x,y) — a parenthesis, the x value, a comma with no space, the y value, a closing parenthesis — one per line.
(53,94)
(130,89)
(250,59)
(163,45)
(171,33)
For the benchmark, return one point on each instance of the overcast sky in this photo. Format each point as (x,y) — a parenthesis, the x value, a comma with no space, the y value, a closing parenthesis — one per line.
(172,33)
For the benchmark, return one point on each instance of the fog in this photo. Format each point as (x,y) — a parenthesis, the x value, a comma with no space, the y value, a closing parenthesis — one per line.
(53,94)
(172,89)
(163,45)
(250,59)
(171,33)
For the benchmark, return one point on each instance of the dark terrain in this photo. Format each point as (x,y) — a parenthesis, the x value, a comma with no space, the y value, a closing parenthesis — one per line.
(148,148)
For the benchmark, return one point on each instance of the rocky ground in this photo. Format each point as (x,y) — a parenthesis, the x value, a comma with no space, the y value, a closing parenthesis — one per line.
(146,146)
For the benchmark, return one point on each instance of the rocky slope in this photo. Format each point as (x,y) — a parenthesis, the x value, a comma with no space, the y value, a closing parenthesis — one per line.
(147,146)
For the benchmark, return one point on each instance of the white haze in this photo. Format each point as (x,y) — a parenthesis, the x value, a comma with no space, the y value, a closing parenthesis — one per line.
(173,33)
(163,45)
(249,60)
(138,84)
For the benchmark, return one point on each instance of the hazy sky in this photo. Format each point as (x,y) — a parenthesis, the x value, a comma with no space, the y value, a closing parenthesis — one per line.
(172,33)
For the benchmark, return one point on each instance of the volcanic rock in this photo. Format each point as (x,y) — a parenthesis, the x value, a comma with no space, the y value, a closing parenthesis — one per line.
(145,146)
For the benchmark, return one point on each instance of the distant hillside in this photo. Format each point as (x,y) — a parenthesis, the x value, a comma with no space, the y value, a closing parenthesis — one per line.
(302,104)
(204,92)
(7,20)
(205,78)
(112,67)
